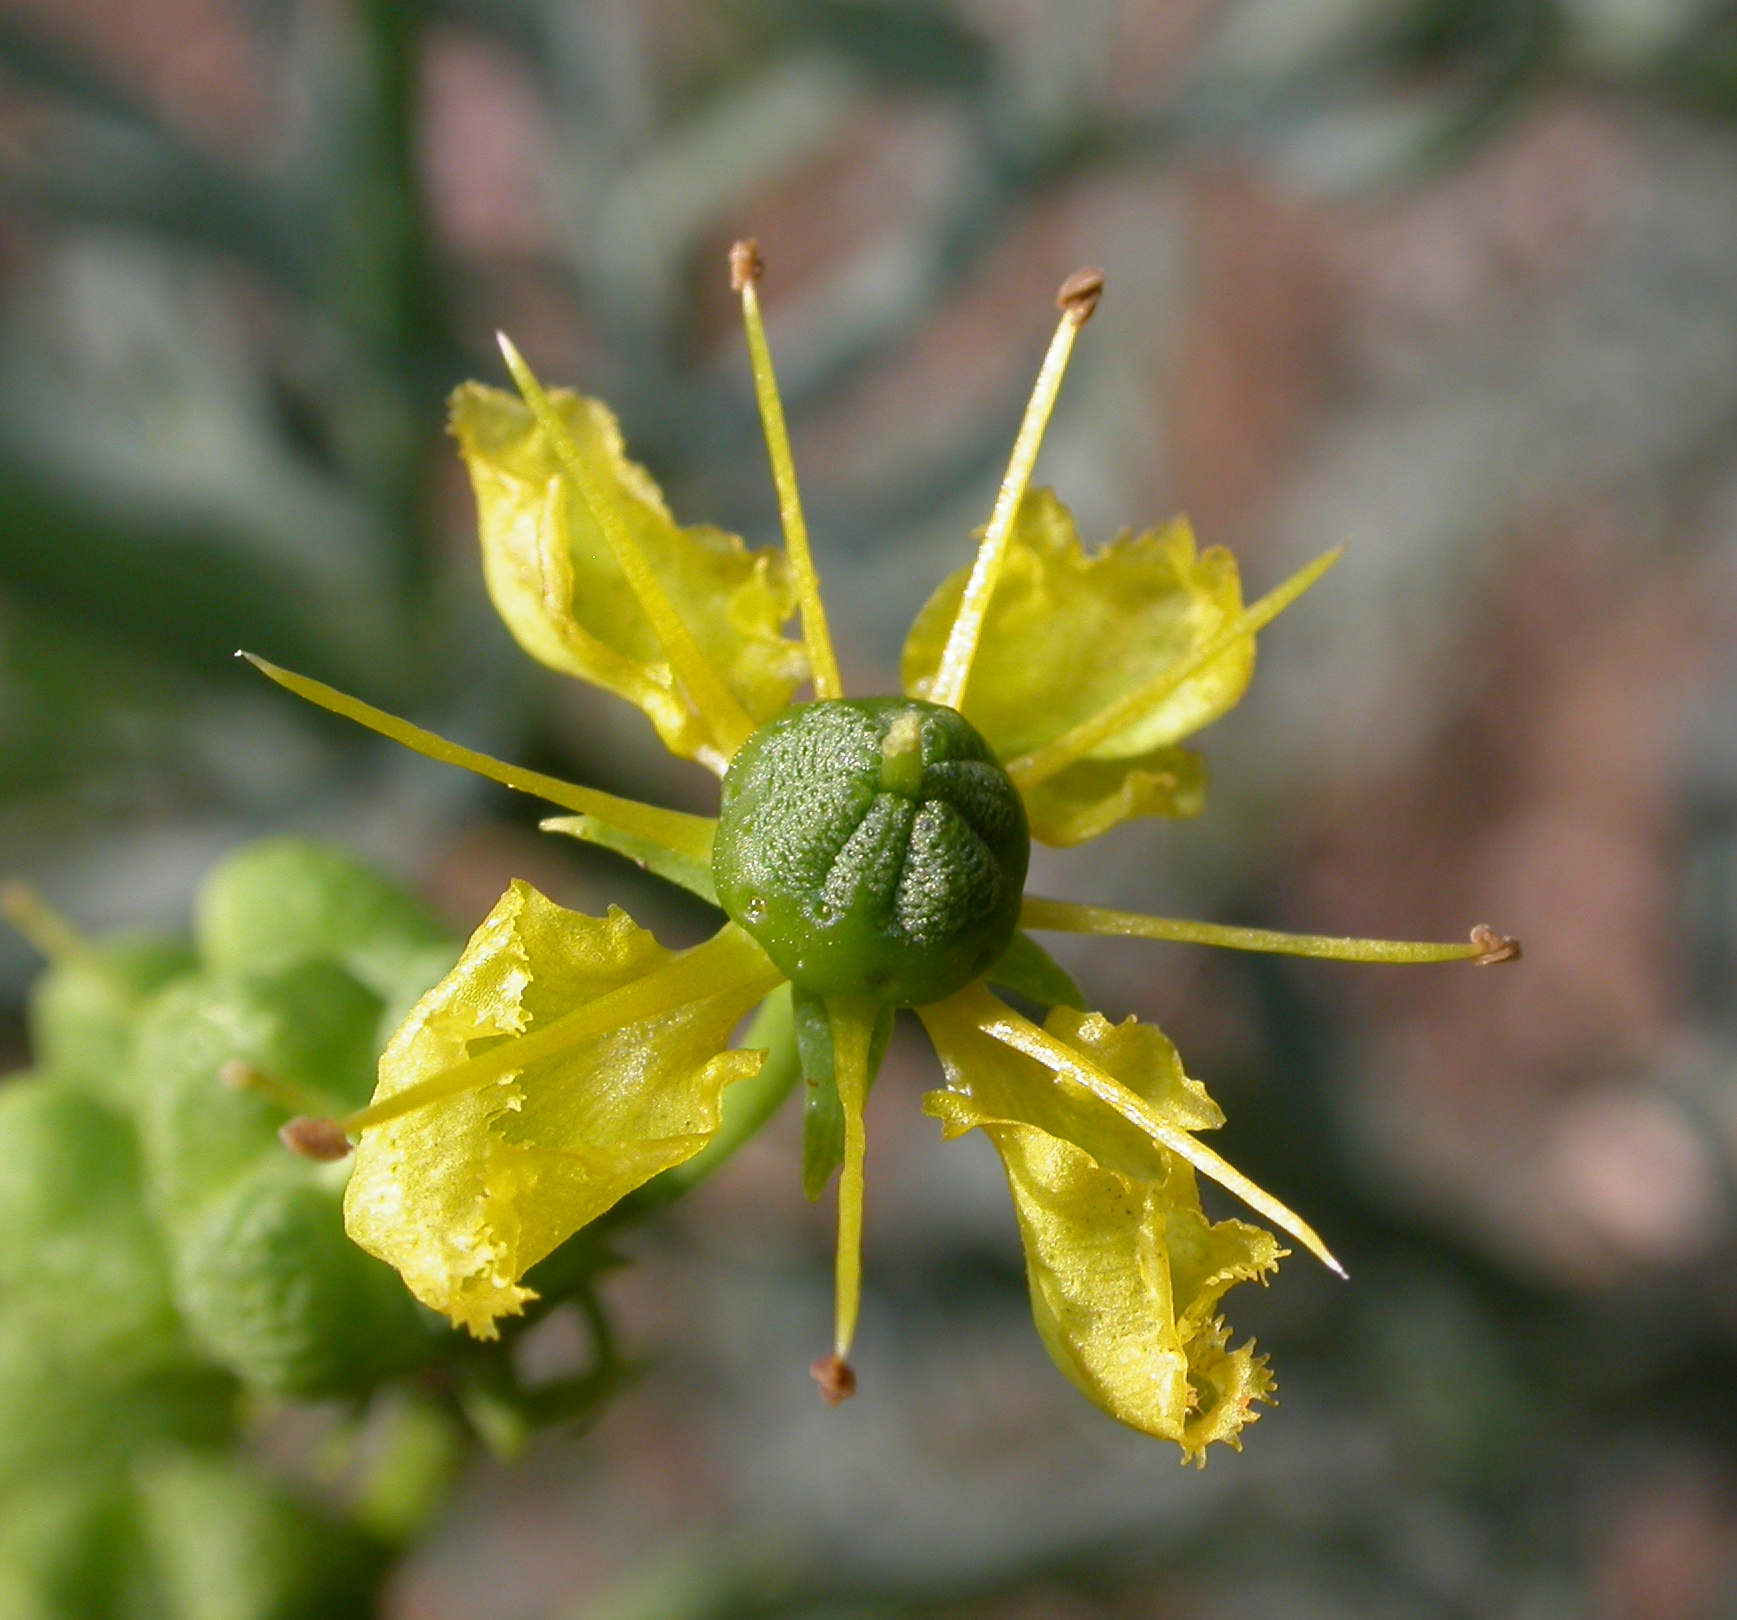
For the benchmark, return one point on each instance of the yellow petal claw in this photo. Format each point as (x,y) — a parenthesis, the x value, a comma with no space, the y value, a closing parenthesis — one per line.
(603,1063)
(852,1030)
(526,552)
(1001,1023)
(1485,946)
(1078,298)
(1126,1272)
(745,271)
(1124,716)
(674,830)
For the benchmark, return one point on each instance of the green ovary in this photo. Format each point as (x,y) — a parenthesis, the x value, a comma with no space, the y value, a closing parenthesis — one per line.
(874,847)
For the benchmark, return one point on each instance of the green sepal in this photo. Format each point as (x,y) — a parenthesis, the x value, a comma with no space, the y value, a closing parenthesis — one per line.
(669,864)
(822,1114)
(1028,970)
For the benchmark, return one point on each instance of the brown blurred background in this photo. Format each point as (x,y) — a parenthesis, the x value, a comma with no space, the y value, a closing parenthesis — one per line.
(1452,280)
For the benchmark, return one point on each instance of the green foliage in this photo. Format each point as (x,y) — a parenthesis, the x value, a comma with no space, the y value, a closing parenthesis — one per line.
(227,1546)
(79,1260)
(162,1255)
(69,1550)
(283,902)
(310,1027)
(82,1010)
(277,1293)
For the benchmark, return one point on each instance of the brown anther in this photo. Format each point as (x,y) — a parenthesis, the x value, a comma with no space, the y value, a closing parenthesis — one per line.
(745,263)
(321,1139)
(239,1076)
(1494,947)
(836,1379)
(1079,294)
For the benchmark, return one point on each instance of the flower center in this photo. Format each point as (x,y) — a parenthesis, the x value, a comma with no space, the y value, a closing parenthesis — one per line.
(874,847)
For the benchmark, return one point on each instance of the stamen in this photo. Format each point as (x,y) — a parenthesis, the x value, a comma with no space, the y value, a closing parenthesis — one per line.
(836,1378)
(716,704)
(1077,299)
(745,271)
(852,1029)
(1486,947)
(1001,1023)
(322,1140)
(1493,948)
(43,926)
(238,1075)
(1056,755)
(670,829)
(728,963)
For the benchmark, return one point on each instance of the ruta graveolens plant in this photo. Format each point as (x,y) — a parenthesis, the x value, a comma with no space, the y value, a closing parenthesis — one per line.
(870,853)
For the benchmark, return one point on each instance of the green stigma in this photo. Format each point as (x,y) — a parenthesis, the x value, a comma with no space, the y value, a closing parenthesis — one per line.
(874,847)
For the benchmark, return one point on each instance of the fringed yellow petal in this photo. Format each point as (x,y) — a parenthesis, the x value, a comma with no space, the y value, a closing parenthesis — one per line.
(1126,1272)
(1083,1078)
(464,1194)
(1091,796)
(1181,675)
(1066,636)
(557,582)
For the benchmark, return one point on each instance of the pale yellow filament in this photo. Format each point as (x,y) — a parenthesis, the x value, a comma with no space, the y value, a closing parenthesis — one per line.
(1064,916)
(822,661)
(948,685)
(673,829)
(852,1028)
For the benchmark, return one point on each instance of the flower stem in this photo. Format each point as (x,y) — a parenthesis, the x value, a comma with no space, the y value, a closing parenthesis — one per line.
(1485,946)
(1078,298)
(670,829)
(745,270)
(728,722)
(1056,755)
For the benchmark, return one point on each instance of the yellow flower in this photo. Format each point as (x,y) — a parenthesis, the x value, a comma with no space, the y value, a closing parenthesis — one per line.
(869,853)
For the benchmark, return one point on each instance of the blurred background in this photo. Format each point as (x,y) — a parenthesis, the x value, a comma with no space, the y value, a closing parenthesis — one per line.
(1452,280)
